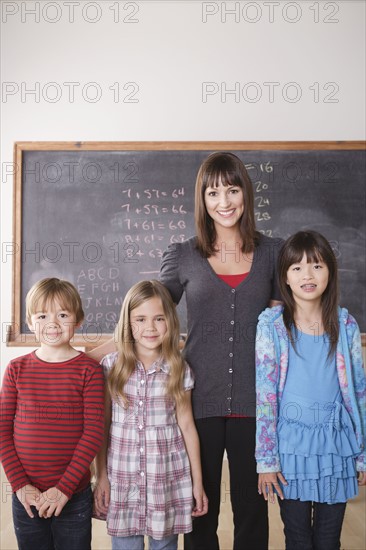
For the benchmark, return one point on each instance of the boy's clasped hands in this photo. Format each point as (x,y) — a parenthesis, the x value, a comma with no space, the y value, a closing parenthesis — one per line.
(48,503)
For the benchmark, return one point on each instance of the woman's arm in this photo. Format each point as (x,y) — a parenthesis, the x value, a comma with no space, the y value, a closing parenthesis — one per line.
(170,272)
(190,436)
(273,303)
(99,352)
(276,299)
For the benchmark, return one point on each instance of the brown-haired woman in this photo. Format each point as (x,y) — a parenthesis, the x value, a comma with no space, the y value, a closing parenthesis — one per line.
(228,272)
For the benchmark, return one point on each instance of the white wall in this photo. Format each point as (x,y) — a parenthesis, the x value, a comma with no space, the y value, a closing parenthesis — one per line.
(169,50)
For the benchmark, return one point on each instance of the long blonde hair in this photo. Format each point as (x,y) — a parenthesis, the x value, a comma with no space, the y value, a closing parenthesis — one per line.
(126,360)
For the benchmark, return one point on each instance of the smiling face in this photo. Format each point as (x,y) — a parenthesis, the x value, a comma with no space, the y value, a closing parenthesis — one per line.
(308,280)
(149,326)
(53,325)
(224,205)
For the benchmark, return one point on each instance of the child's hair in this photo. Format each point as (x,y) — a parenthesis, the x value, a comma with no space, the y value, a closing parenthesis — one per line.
(317,248)
(50,289)
(126,359)
(230,170)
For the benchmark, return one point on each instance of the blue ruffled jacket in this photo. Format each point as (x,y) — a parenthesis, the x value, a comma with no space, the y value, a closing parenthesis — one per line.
(272,352)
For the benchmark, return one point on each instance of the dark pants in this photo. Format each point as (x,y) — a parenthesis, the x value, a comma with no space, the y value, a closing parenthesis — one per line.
(71,530)
(237,436)
(312,526)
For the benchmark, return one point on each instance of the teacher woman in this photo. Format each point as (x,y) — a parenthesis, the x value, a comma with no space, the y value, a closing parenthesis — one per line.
(228,275)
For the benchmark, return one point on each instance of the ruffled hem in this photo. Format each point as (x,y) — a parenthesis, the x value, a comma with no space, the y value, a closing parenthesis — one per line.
(328,489)
(318,459)
(316,467)
(318,439)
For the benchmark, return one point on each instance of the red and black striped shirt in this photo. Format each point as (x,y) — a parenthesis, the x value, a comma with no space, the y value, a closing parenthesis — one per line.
(51,422)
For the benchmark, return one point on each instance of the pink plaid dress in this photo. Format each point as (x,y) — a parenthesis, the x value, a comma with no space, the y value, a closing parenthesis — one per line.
(148,465)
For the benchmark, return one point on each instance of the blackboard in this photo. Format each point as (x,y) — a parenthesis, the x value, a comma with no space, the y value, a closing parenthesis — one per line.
(101,214)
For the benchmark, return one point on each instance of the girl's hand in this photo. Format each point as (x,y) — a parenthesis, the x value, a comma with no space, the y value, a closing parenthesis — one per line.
(102,494)
(201,502)
(267,483)
(51,502)
(28,496)
(361,478)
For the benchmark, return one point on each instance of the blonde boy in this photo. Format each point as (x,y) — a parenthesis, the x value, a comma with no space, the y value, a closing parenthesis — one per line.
(52,425)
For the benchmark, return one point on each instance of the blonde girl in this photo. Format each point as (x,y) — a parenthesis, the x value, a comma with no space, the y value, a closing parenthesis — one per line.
(149,466)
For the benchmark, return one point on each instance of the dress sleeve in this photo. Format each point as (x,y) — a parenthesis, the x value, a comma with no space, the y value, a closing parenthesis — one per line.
(188,381)
(267,368)
(107,362)
(169,272)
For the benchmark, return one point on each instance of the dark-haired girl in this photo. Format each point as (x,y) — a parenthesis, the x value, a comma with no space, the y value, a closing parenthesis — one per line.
(311,398)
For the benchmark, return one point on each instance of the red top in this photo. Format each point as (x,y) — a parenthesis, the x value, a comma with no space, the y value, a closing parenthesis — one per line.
(51,422)
(234,281)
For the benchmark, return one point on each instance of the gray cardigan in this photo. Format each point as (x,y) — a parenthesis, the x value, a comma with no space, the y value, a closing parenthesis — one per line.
(222,322)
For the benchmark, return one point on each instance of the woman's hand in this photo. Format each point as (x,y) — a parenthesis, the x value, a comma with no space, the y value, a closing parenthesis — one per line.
(268,483)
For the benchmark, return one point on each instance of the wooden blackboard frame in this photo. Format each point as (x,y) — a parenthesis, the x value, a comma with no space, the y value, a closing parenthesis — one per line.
(15,336)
